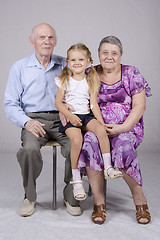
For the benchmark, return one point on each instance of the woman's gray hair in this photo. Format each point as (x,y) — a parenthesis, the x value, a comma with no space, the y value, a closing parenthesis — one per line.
(112,40)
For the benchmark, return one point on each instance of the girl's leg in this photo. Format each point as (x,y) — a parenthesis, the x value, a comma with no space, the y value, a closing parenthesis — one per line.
(137,194)
(75,137)
(97,128)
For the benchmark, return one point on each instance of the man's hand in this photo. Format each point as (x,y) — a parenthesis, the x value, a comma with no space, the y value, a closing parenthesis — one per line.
(35,127)
(63,119)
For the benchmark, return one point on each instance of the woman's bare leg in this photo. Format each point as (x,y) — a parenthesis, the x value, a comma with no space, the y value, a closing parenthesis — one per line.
(137,193)
(136,190)
(96,182)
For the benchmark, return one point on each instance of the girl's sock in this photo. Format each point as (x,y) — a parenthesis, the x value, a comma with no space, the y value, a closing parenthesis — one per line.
(76,177)
(107,161)
(110,172)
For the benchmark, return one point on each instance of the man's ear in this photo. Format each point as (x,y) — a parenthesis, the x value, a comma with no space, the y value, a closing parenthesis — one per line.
(31,40)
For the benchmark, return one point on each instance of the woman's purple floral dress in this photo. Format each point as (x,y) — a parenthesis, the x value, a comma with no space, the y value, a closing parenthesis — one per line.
(115,102)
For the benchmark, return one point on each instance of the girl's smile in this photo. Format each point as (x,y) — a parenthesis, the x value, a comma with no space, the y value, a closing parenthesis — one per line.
(78,62)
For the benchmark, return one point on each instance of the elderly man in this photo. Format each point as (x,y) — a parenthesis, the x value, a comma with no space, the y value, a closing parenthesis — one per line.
(30,104)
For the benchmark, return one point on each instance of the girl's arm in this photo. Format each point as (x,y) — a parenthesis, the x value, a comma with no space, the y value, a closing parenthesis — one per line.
(63,118)
(95,108)
(138,108)
(75,120)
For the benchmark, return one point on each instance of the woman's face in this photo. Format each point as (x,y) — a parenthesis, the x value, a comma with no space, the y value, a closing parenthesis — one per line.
(109,56)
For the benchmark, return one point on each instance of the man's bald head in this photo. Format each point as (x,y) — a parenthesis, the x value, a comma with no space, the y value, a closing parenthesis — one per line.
(36,28)
(43,38)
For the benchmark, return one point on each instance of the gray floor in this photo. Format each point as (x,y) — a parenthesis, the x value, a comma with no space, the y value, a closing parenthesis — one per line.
(47,224)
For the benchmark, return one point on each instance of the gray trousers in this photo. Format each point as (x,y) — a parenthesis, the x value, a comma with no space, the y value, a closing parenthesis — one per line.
(30,158)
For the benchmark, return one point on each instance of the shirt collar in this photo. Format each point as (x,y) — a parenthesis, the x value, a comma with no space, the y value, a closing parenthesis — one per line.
(33,61)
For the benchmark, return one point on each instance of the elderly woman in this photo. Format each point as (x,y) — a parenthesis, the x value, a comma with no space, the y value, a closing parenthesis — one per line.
(122,102)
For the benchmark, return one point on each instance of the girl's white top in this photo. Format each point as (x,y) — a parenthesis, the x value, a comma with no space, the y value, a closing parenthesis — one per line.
(76,95)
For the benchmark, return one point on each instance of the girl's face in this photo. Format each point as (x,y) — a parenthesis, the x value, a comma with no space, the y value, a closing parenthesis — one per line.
(109,56)
(78,61)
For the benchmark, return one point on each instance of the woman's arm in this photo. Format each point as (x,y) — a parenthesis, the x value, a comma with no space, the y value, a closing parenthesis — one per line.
(138,108)
(95,108)
(75,120)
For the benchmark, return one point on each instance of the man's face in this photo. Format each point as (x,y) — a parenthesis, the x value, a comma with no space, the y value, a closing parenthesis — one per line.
(43,40)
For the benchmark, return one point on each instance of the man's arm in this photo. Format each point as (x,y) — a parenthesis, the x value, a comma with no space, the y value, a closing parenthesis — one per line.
(12,98)
(13,105)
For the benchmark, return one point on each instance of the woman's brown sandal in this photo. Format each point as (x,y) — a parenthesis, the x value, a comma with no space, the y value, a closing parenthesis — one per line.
(143,213)
(99,214)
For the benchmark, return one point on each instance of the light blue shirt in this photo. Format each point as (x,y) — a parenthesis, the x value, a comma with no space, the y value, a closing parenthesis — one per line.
(31,88)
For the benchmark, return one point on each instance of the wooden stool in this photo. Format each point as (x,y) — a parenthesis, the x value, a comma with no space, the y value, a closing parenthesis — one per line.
(54,144)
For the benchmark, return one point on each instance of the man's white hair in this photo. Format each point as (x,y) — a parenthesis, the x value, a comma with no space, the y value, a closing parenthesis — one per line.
(40,24)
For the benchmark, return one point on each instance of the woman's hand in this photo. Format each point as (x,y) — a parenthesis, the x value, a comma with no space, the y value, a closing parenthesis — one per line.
(114,130)
(138,108)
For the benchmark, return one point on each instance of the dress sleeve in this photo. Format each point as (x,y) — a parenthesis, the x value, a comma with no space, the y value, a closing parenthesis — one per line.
(138,83)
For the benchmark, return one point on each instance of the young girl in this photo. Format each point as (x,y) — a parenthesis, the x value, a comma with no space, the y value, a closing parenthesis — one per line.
(80,91)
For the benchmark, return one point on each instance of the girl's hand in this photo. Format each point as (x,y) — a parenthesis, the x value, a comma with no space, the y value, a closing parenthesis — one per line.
(63,119)
(114,130)
(75,120)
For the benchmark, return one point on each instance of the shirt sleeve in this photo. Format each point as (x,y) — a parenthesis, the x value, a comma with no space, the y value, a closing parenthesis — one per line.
(12,98)
(138,83)
(58,82)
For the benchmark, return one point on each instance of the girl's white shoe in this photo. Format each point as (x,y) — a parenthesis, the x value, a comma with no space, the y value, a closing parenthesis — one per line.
(113,173)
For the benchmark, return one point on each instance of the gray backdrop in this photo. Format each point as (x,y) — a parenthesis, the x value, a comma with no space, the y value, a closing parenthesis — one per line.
(136,23)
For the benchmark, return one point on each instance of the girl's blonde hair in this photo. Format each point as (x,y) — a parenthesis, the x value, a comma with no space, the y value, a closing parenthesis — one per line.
(92,76)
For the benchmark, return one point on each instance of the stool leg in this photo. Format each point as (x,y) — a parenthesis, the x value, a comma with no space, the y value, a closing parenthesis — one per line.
(54,206)
(104,187)
(89,191)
